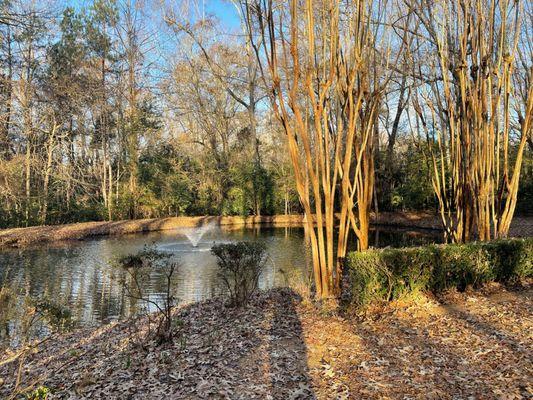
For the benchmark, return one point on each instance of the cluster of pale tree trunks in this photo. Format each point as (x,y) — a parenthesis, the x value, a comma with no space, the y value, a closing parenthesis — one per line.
(330,63)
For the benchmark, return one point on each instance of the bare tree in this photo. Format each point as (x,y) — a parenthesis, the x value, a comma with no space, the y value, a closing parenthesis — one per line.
(135,41)
(244,88)
(469,124)
(322,62)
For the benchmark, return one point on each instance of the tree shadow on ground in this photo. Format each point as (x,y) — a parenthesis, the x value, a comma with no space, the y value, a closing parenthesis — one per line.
(259,352)
(255,352)
(458,354)
(478,325)
(403,356)
(289,372)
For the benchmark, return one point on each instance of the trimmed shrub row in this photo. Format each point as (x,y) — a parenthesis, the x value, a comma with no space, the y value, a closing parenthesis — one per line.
(388,274)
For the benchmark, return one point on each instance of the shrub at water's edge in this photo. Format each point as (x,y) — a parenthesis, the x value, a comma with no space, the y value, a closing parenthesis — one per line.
(389,274)
(239,267)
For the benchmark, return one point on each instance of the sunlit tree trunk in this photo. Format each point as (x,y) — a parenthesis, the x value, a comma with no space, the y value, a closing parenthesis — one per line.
(7,91)
(104,133)
(47,171)
(318,56)
(474,176)
(26,105)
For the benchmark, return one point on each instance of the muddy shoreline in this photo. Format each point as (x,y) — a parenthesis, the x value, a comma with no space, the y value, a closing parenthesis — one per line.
(19,237)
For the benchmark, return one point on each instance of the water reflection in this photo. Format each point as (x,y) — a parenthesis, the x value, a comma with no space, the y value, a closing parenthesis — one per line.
(82,275)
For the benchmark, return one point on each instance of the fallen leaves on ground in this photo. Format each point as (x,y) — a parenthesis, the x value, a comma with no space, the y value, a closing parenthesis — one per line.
(474,345)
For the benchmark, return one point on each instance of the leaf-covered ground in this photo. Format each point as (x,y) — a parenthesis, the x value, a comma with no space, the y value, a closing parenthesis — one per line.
(476,345)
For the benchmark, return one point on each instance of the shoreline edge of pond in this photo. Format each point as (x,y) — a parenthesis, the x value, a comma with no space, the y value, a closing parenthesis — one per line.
(19,237)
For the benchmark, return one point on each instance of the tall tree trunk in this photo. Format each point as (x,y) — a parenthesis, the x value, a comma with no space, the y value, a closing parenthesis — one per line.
(389,154)
(27,169)
(26,105)
(324,97)
(473,178)
(47,171)
(8,94)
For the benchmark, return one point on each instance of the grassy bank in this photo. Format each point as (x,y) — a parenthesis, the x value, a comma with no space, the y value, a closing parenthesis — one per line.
(471,345)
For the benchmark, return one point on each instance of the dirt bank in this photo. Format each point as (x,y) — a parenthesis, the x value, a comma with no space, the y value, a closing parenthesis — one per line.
(521,227)
(41,234)
(468,346)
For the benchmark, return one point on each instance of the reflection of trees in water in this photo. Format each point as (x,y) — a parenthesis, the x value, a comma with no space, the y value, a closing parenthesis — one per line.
(81,274)
(404,237)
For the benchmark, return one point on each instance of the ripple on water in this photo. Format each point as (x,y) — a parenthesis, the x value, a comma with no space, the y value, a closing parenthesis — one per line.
(83,274)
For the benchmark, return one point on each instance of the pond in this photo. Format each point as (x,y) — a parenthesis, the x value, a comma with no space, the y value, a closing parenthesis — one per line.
(82,275)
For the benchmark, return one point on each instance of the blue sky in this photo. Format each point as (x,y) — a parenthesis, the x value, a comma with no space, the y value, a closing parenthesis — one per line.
(223,9)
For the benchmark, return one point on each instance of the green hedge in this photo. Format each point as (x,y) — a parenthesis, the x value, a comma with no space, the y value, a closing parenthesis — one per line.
(388,274)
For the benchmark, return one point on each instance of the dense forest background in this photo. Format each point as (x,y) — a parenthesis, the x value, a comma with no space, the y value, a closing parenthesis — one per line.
(127,109)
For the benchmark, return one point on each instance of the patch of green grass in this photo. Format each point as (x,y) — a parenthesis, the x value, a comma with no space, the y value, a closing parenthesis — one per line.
(41,393)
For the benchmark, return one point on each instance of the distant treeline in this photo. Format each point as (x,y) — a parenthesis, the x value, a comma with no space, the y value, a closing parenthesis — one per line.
(122,110)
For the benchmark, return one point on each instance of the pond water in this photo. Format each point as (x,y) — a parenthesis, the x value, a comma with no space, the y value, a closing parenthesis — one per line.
(82,276)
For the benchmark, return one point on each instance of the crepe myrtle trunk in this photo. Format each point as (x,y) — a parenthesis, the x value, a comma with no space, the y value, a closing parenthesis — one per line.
(474,176)
(318,61)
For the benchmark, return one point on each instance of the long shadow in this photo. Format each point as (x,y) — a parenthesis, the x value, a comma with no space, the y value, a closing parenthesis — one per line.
(243,353)
(269,357)
(475,323)
(408,368)
(436,355)
(479,363)
(289,372)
